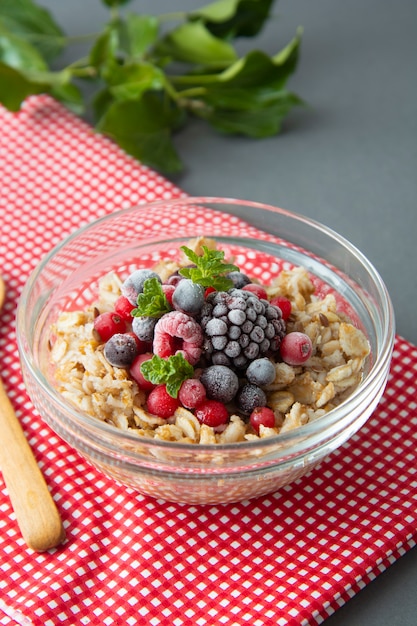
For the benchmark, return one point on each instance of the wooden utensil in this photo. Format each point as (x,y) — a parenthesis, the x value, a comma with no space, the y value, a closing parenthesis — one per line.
(36,513)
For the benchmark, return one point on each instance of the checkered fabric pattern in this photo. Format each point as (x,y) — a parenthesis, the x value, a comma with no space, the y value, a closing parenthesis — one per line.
(292,557)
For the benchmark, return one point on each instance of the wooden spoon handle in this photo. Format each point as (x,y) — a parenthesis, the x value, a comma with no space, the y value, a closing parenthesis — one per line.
(36,513)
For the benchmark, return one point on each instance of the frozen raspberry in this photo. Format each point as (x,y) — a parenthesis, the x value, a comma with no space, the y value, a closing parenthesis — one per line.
(262,415)
(133,285)
(284,304)
(108,324)
(192,393)
(249,397)
(178,332)
(136,373)
(160,403)
(120,350)
(220,382)
(212,413)
(144,327)
(123,307)
(296,348)
(261,372)
(188,297)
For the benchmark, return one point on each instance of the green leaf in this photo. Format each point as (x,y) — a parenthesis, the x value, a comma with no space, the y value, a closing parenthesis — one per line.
(70,96)
(18,53)
(249,97)
(192,42)
(143,129)
(234,18)
(15,87)
(258,122)
(105,46)
(115,3)
(210,269)
(170,372)
(131,80)
(141,32)
(152,302)
(34,23)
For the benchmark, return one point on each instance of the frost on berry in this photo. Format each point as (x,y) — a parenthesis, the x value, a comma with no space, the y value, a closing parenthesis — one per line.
(296,348)
(221,383)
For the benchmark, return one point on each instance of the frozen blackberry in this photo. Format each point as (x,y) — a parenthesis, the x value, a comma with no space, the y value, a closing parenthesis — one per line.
(249,397)
(239,327)
(220,382)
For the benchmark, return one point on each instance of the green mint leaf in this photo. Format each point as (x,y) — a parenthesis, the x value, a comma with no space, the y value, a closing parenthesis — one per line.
(210,269)
(152,302)
(170,372)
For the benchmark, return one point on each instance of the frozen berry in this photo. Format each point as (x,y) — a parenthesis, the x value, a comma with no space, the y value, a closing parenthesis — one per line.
(262,415)
(133,285)
(108,324)
(144,327)
(160,403)
(284,304)
(169,292)
(212,413)
(188,297)
(143,346)
(178,332)
(124,308)
(192,393)
(136,373)
(121,350)
(249,397)
(296,348)
(261,372)
(221,383)
(239,279)
(258,290)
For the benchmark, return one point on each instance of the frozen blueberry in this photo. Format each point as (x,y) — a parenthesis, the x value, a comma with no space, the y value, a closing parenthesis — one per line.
(249,397)
(261,372)
(133,285)
(188,297)
(144,327)
(121,350)
(239,279)
(221,383)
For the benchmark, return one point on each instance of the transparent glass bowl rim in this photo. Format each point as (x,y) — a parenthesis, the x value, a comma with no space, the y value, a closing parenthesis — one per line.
(302,433)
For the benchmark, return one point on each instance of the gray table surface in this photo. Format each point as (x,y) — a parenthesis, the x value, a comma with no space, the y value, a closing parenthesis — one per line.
(349,160)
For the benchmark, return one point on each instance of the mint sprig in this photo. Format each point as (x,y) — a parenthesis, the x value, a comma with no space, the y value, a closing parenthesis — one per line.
(210,269)
(170,372)
(152,302)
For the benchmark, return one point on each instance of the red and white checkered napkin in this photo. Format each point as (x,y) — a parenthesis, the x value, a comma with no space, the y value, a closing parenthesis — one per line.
(292,557)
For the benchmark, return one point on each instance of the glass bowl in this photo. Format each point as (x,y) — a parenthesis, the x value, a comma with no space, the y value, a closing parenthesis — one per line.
(269,239)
